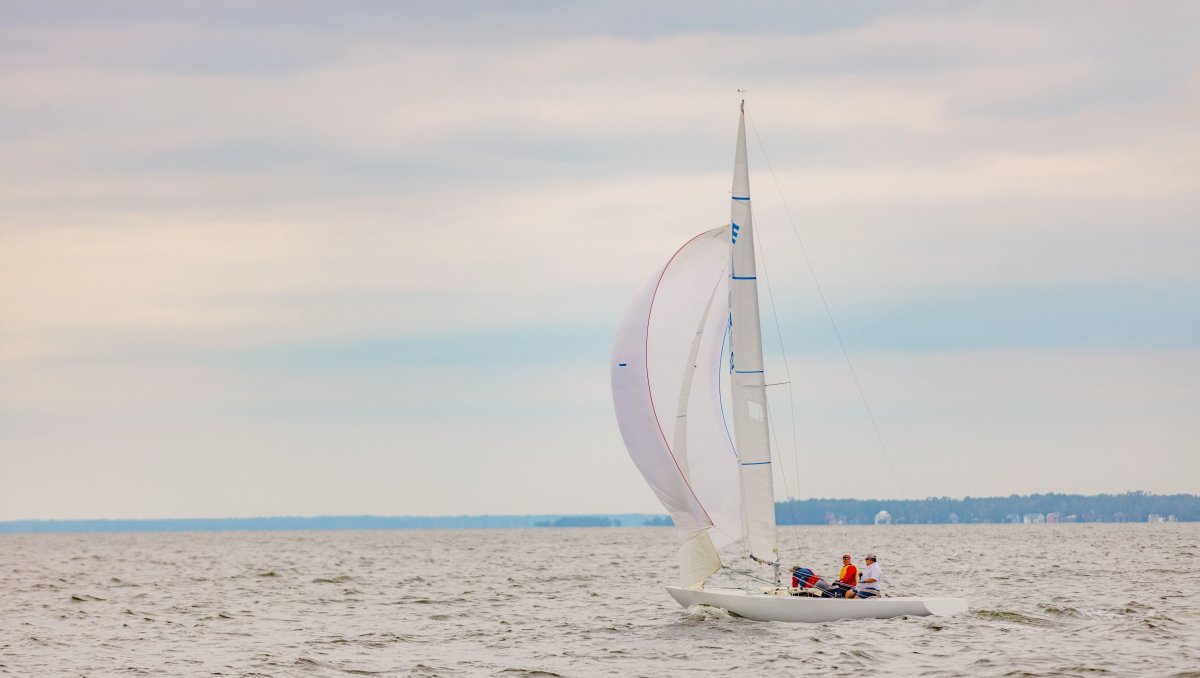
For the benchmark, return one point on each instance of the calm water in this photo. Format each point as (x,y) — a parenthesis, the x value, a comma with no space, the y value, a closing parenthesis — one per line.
(1045,600)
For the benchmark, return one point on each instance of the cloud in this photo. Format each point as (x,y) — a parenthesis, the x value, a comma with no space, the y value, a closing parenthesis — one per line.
(237,239)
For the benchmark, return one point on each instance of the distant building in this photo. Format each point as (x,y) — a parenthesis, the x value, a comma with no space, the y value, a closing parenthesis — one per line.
(954,518)
(1053,518)
(883,518)
(1033,519)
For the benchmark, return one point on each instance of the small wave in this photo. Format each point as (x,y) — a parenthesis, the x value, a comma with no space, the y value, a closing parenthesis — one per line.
(372,640)
(859,653)
(340,579)
(424,670)
(83,597)
(531,673)
(786,657)
(270,573)
(1015,617)
(385,639)
(1060,611)
(1156,621)
(305,661)
(706,612)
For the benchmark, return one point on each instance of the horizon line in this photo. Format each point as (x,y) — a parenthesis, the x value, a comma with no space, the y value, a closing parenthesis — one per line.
(482,516)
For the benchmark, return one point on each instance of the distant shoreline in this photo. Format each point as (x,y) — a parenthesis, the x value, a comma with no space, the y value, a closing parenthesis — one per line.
(1131,507)
(315,524)
(324,523)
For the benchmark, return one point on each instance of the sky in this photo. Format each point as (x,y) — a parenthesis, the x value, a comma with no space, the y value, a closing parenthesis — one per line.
(313,258)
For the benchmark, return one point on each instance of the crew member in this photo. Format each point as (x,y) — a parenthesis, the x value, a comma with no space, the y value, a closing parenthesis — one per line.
(871,582)
(848,577)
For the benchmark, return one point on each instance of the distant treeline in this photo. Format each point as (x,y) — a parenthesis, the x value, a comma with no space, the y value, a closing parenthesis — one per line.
(1035,508)
(321,523)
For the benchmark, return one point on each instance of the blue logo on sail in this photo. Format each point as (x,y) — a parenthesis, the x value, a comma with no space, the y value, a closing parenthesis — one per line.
(735,228)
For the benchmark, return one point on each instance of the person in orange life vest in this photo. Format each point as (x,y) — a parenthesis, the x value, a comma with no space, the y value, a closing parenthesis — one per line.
(848,577)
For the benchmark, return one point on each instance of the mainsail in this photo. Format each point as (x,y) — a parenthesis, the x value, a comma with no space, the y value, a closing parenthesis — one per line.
(749,393)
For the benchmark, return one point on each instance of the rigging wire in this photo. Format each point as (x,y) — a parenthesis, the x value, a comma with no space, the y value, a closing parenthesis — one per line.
(786,487)
(791,399)
(750,575)
(825,303)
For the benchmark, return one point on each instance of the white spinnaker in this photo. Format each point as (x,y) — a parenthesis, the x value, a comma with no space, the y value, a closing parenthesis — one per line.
(747,383)
(651,363)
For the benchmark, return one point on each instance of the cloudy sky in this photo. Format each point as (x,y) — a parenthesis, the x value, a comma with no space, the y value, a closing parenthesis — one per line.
(318,258)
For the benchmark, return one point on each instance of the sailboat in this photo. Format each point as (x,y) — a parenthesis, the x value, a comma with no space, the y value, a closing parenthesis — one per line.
(693,326)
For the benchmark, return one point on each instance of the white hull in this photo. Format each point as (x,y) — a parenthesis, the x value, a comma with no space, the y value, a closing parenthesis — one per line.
(783,607)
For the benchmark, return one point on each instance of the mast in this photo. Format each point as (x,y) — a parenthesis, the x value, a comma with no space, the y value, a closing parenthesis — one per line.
(748,383)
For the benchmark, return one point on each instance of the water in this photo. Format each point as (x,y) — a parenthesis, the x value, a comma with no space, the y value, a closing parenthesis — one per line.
(1045,600)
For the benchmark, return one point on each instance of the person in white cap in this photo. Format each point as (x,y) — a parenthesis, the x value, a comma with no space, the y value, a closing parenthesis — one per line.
(871,582)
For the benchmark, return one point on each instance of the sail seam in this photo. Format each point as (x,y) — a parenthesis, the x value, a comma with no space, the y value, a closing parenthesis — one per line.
(650,392)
